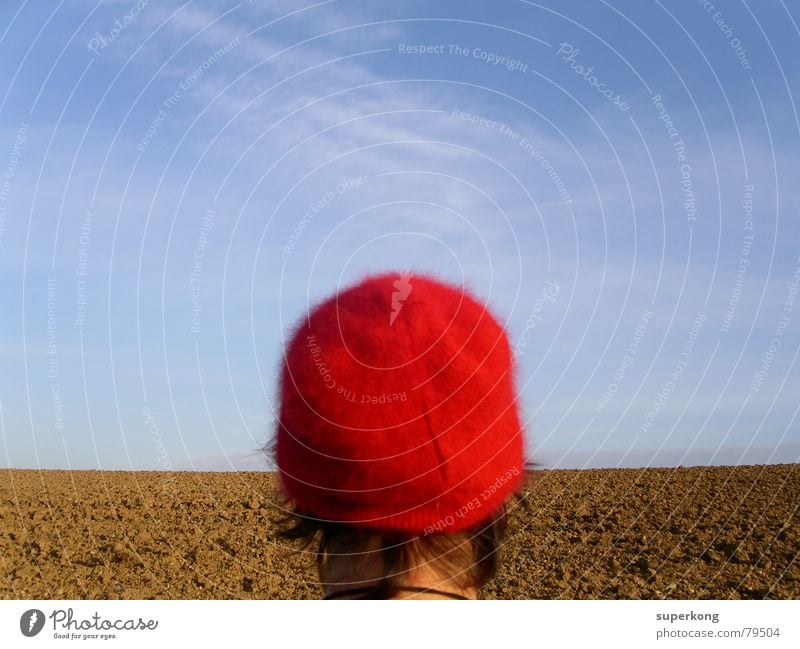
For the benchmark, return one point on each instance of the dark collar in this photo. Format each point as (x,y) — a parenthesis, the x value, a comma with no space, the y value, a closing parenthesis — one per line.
(370,590)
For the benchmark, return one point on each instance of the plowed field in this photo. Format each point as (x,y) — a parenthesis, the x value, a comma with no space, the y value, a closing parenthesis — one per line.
(694,533)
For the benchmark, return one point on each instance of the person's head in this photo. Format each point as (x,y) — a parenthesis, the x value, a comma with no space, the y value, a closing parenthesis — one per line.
(399,441)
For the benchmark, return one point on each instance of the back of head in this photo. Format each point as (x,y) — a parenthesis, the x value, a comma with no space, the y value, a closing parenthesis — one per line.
(398,411)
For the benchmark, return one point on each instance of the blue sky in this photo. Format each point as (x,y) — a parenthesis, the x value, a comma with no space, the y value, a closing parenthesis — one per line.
(618,180)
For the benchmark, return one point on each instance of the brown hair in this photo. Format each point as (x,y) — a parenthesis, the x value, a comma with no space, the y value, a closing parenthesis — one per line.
(465,559)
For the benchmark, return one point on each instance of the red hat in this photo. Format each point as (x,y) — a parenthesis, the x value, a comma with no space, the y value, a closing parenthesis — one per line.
(398,410)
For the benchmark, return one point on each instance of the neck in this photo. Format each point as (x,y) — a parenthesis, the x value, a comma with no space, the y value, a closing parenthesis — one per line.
(362,571)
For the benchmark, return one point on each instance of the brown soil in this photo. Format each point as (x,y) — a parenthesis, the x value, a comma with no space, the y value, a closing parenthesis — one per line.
(688,533)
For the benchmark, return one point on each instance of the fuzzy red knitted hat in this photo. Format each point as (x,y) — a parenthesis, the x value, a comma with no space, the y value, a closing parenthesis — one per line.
(398,410)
